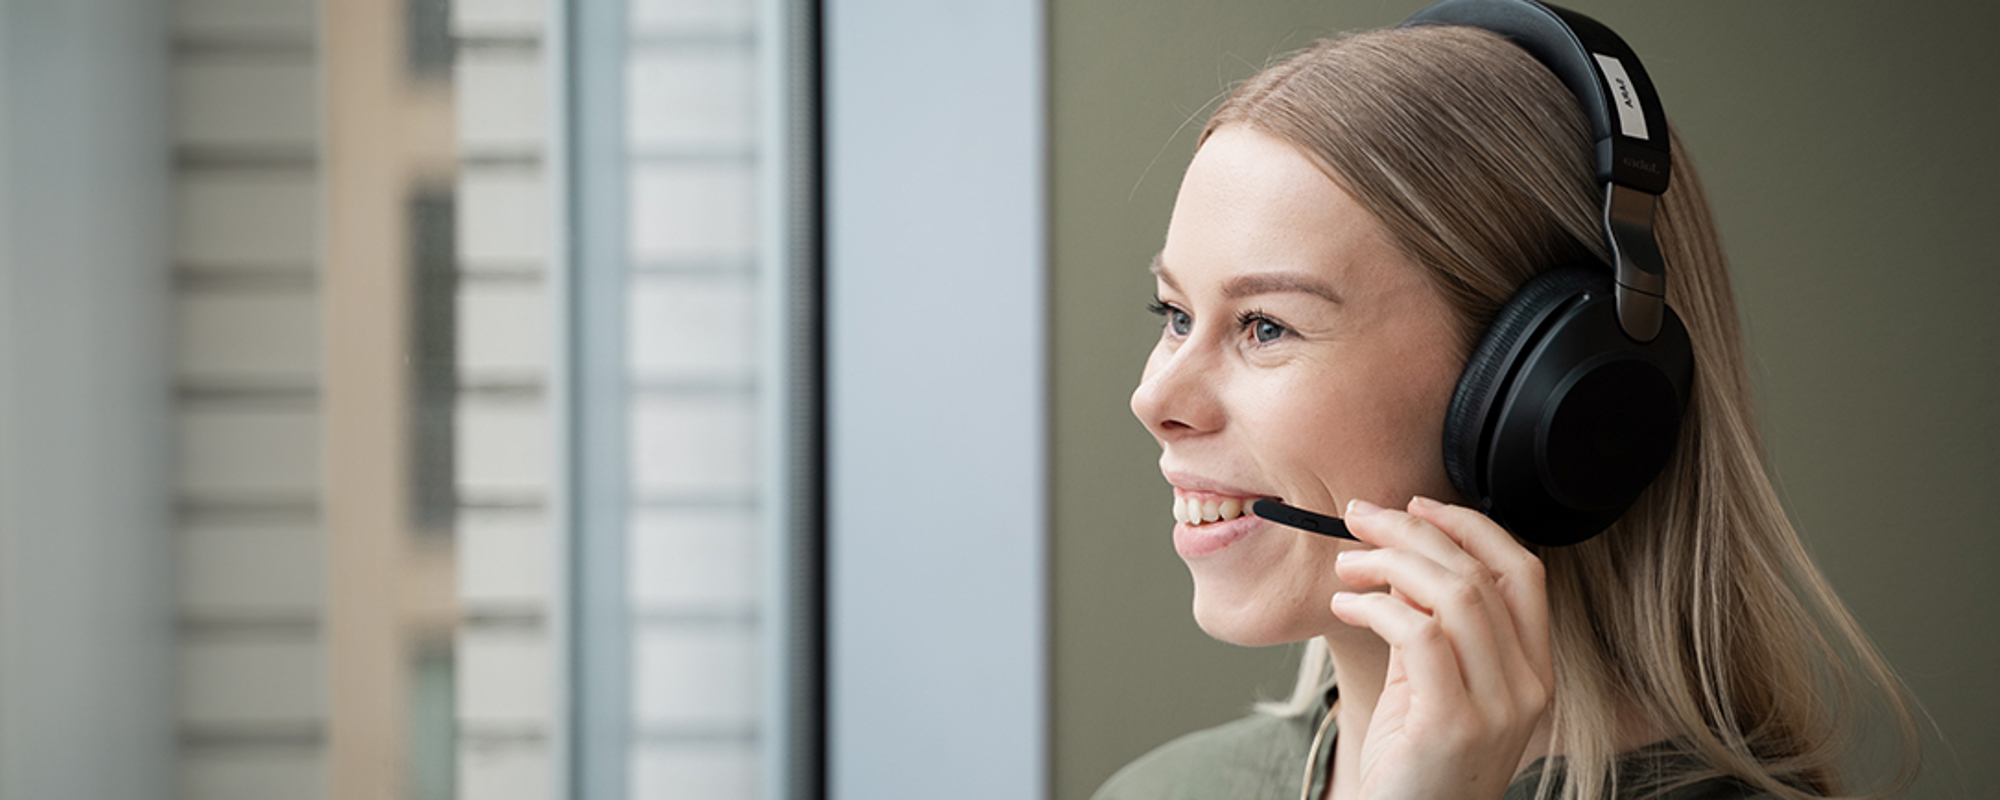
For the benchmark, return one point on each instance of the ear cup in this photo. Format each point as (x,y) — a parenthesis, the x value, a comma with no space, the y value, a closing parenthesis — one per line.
(1560,419)
(1479,385)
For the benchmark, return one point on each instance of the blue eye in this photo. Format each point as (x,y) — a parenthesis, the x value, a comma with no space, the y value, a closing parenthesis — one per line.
(1178,321)
(1266,330)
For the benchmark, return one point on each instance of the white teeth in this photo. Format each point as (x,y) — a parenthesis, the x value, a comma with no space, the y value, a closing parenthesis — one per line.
(1202,512)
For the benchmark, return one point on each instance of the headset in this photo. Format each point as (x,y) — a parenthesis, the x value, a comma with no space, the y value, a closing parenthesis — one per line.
(1571,404)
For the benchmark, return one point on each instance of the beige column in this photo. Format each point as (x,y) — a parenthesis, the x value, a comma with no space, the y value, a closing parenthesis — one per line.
(388,590)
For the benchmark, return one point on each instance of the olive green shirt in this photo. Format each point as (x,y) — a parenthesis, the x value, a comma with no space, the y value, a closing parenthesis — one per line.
(1264,758)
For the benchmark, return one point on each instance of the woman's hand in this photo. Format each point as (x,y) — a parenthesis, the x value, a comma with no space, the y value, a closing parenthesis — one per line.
(1467,623)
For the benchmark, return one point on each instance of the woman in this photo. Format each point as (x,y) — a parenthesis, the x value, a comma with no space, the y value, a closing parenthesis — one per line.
(1353,220)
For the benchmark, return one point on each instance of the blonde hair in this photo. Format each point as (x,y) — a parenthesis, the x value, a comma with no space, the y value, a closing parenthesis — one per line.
(1700,608)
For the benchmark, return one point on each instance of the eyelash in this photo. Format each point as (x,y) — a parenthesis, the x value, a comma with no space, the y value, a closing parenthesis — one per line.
(1244,320)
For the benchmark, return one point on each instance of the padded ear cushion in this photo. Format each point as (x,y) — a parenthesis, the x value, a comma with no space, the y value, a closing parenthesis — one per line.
(1472,403)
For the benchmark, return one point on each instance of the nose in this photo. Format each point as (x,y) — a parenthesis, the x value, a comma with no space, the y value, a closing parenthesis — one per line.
(1176,396)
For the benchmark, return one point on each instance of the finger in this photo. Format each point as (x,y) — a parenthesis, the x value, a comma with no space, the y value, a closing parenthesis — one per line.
(1468,607)
(1518,573)
(1518,576)
(1396,530)
(1390,528)
(1428,659)
(1512,660)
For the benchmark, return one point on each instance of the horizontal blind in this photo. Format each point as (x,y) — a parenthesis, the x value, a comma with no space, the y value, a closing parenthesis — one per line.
(508,683)
(249,544)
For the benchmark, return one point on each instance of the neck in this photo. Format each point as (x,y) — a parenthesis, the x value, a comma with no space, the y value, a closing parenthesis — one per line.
(1361,664)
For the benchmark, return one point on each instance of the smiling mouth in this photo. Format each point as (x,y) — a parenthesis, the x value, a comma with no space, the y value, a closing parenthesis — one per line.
(1199,511)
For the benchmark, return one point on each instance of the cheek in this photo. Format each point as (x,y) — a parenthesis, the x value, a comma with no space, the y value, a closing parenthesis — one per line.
(1375,434)
(1415,413)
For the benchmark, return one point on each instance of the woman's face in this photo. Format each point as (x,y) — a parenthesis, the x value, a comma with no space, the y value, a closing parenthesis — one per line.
(1302,357)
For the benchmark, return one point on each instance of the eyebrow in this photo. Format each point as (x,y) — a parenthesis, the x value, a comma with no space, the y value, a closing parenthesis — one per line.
(1259,283)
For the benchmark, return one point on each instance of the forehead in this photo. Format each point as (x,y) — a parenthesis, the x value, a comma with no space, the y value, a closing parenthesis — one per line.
(1253,202)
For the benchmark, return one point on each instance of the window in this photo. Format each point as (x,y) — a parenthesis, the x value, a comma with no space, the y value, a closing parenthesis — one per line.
(497,399)
(457,369)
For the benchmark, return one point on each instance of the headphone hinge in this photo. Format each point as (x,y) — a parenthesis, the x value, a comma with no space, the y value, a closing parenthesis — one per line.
(1637,266)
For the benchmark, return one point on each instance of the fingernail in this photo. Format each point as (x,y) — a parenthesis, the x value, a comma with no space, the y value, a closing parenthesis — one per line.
(1342,598)
(1361,508)
(1421,501)
(1342,555)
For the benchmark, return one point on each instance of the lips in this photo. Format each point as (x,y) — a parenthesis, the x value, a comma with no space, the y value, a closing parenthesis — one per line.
(1209,516)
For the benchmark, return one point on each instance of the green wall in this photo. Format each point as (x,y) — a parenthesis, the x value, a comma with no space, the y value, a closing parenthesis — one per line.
(1845,152)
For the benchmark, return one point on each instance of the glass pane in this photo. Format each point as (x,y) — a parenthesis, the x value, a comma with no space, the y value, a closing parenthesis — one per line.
(364,233)
(682,261)
(409,357)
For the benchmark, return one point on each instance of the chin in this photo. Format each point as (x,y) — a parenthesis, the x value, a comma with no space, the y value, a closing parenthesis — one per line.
(1264,591)
(1249,624)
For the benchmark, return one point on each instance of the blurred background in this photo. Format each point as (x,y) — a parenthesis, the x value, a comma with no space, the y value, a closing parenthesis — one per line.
(727,398)
(395,405)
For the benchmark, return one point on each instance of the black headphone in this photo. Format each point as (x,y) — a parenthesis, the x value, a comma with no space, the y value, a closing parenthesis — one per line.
(1571,404)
